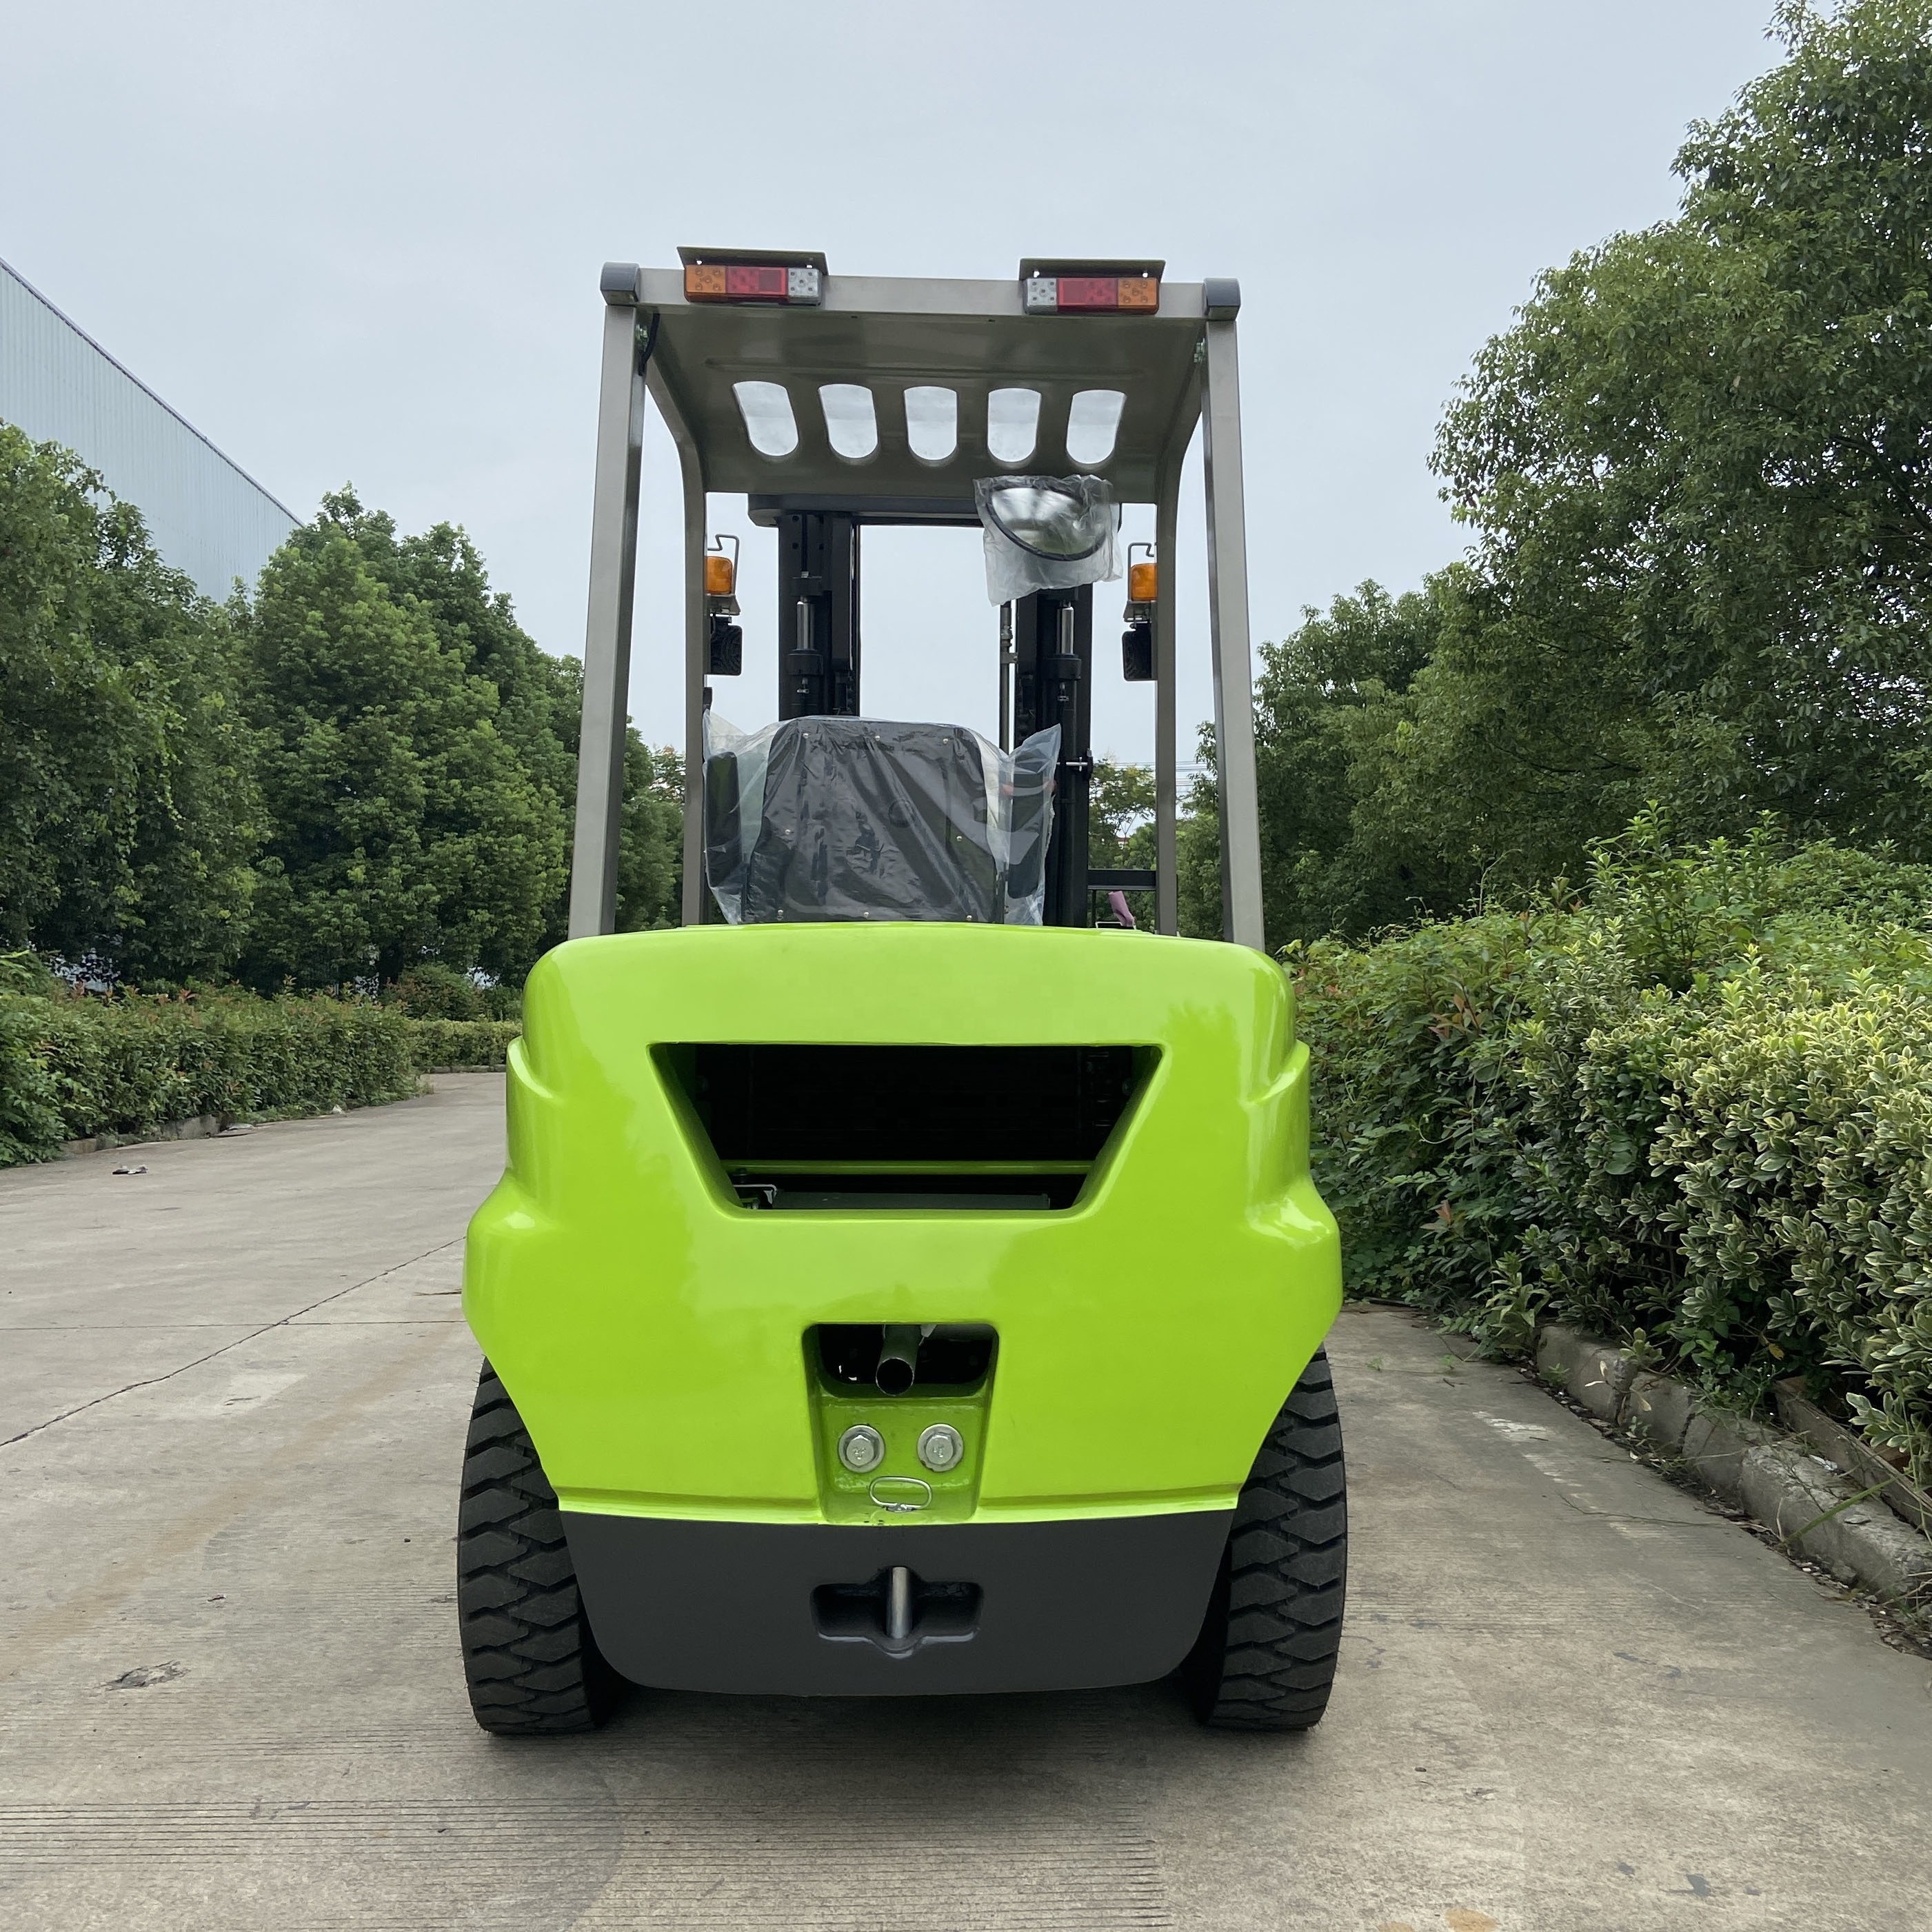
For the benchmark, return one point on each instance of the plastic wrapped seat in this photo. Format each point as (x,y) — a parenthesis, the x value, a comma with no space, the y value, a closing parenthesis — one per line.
(861,818)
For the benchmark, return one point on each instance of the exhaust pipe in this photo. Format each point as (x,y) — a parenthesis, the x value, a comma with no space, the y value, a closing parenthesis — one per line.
(899,1358)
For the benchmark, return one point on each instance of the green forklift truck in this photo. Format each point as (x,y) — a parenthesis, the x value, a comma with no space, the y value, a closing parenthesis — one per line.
(903,1282)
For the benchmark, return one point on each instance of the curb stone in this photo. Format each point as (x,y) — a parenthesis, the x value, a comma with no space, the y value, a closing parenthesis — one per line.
(1717,1446)
(1658,1408)
(1864,1543)
(1588,1371)
(196,1127)
(1799,1496)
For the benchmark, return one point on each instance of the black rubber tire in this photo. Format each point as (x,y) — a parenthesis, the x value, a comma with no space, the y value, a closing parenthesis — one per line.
(534,1669)
(1265,1658)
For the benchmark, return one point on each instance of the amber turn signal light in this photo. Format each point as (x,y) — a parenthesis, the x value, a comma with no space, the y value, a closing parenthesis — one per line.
(1043,294)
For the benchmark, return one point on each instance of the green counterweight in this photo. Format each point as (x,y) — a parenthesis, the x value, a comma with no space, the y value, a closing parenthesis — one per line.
(652,1329)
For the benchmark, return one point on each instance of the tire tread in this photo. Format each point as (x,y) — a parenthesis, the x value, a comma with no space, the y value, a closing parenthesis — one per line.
(1265,1659)
(531,1662)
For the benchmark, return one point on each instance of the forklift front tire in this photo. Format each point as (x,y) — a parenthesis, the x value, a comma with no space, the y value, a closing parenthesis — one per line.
(1265,1658)
(533,1666)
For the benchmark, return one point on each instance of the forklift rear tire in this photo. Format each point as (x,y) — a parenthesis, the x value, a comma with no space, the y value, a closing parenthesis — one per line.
(534,1669)
(1265,1658)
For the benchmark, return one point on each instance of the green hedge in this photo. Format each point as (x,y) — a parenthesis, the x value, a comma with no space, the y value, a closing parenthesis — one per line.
(1691,1109)
(73,1068)
(444,1046)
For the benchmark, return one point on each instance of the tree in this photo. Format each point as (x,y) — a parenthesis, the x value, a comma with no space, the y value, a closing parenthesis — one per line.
(1326,698)
(1700,469)
(650,851)
(1514,747)
(127,811)
(403,825)
(540,704)
(1325,706)
(539,697)
(1120,829)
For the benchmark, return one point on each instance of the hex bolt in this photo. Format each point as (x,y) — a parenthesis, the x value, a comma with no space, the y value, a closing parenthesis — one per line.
(940,1448)
(861,1448)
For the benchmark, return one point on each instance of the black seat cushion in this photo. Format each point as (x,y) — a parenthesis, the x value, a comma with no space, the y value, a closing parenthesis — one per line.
(865,819)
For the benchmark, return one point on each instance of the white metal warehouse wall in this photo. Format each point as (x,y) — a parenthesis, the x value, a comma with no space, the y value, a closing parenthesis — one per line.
(206,517)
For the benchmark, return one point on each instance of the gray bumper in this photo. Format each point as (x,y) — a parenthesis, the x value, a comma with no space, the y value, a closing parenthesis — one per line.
(800,1609)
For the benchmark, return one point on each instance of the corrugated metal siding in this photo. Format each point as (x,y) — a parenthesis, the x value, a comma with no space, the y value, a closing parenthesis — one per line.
(206,517)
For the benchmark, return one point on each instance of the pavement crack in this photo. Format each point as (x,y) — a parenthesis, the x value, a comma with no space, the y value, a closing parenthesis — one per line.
(1664,1521)
(240,1341)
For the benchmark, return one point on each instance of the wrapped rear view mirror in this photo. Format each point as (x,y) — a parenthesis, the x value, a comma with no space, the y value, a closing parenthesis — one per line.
(1046,533)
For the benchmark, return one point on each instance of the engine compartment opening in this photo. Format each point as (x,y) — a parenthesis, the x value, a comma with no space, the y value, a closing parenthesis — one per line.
(990,1128)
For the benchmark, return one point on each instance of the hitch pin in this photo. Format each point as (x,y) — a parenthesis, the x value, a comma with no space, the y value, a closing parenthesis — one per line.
(898,1605)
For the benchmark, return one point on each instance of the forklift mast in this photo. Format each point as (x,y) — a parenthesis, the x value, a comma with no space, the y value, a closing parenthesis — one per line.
(1053,684)
(818,614)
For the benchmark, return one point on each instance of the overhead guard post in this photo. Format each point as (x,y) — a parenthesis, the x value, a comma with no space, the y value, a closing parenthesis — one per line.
(1166,861)
(695,486)
(697,668)
(1228,624)
(606,635)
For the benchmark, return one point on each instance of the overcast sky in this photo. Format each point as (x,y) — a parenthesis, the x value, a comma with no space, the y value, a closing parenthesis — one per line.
(355,242)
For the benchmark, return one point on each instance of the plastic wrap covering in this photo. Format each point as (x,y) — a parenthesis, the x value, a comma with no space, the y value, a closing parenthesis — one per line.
(1046,533)
(852,818)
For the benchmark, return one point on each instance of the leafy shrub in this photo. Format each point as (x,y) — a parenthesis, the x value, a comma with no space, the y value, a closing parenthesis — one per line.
(1693,1110)
(431,991)
(30,1122)
(72,1068)
(28,1119)
(443,1046)
(1800,1145)
(121,1066)
(503,1003)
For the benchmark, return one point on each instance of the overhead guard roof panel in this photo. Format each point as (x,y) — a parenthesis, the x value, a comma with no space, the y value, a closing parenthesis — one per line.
(891,334)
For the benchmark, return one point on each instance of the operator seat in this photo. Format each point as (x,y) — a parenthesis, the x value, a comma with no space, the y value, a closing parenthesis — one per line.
(862,818)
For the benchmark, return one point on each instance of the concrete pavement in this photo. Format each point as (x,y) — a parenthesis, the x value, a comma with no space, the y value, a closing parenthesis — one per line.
(234,1390)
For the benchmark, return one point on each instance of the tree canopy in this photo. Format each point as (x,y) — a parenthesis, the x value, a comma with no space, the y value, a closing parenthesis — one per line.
(1697,472)
(128,814)
(365,769)
(401,824)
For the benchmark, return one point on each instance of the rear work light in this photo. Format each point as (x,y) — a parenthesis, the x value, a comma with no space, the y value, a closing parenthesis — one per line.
(725,640)
(753,282)
(1137,654)
(1091,295)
